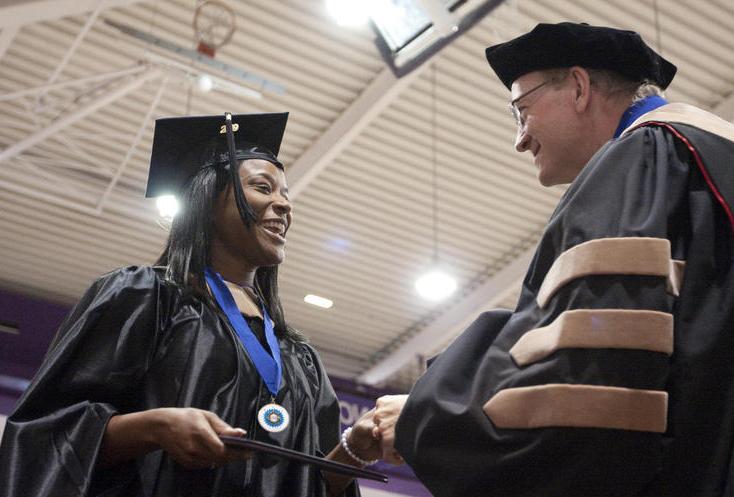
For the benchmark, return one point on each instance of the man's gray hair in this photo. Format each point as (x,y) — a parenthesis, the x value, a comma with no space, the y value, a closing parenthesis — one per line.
(612,83)
(647,89)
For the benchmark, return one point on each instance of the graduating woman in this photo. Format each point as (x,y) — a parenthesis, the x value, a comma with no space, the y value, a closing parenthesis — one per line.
(154,364)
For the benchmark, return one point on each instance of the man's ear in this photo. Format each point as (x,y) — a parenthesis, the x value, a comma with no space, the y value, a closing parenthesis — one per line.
(581,88)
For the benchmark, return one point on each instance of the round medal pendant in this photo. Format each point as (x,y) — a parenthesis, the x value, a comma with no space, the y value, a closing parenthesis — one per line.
(273,417)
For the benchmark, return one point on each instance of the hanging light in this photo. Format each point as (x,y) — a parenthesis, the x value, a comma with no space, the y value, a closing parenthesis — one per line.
(167,206)
(436,284)
(204,83)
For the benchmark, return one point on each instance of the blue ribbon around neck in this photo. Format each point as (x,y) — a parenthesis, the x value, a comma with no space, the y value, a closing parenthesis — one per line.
(268,366)
(637,109)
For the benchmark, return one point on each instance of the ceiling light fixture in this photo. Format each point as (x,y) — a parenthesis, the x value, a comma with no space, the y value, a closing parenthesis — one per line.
(204,83)
(436,284)
(318,301)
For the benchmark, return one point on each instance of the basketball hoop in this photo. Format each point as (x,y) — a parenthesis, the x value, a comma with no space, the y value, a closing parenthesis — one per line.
(214,25)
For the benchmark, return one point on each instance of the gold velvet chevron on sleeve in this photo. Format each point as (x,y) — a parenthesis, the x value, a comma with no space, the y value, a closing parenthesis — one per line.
(597,328)
(579,406)
(629,255)
(594,406)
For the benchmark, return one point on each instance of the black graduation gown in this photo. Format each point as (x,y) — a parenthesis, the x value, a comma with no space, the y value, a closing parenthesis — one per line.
(627,389)
(136,342)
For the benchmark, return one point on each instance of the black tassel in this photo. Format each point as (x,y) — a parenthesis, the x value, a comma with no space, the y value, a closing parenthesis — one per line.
(246,213)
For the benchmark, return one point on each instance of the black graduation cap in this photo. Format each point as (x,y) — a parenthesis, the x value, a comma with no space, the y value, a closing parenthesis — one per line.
(567,44)
(183,145)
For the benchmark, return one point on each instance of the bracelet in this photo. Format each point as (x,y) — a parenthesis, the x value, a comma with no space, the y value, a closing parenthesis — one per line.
(345,446)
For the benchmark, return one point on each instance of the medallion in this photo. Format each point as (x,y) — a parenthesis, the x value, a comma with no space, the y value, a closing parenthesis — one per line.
(273,417)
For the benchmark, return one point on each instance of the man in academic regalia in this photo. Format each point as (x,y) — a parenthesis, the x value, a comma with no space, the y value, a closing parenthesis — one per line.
(614,376)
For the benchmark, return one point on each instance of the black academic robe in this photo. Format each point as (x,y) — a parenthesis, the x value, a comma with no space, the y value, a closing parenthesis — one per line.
(614,376)
(137,342)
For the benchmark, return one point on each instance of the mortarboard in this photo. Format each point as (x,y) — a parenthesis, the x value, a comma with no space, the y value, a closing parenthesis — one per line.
(183,145)
(567,44)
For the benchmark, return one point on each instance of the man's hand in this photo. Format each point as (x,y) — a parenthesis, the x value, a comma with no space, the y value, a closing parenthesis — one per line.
(386,413)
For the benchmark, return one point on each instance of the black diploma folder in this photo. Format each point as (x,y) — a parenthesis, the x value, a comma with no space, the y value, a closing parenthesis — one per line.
(294,455)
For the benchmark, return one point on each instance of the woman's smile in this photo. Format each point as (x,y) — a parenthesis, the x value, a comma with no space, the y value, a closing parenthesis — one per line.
(276,228)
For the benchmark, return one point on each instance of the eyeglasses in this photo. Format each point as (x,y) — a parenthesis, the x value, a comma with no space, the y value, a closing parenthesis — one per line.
(519,120)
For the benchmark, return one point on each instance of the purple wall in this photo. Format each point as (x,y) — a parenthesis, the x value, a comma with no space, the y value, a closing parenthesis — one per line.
(37,321)
(21,353)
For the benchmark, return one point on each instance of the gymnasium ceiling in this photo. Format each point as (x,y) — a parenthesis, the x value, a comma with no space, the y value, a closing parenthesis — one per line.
(79,95)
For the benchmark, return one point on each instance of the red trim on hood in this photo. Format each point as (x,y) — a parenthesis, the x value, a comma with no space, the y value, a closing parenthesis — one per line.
(699,163)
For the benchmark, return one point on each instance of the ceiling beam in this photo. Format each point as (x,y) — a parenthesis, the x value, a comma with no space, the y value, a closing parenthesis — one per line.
(74,82)
(71,50)
(81,112)
(452,323)
(134,145)
(21,12)
(363,110)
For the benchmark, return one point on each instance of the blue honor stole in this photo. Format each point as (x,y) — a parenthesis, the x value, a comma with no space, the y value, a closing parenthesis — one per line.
(272,417)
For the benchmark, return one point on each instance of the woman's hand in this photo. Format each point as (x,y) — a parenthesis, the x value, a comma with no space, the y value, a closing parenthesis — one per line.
(386,412)
(362,444)
(190,436)
(371,437)
(362,440)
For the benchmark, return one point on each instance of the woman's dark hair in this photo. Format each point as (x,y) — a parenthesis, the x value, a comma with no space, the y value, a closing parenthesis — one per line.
(186,254)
